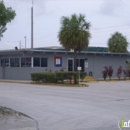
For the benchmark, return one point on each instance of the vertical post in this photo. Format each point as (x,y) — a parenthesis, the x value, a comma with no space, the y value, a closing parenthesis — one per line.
(79,76)
(25,42)
(20,45)
(32,26)
(32,62)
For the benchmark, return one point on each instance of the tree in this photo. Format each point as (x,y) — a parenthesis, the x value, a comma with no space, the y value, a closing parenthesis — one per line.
(118,43)
(6,15)
(74,34)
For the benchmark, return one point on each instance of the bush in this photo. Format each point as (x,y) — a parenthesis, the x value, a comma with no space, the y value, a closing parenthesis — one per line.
(125,74)
(36,77)
(57,76)
(119,72)
(44,77)
(107,72)
(61,76)
(128,72)
(104,74)
(110,72)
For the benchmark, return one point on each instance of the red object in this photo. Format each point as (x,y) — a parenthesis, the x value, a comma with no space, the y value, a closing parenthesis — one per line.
(58,61)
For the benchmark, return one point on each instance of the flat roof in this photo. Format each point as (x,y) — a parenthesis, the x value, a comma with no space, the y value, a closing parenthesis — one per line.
(19,51)
(90,50)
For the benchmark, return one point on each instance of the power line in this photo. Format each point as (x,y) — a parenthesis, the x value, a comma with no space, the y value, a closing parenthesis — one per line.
(112,26)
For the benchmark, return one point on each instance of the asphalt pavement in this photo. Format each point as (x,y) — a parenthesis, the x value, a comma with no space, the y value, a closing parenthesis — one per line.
(97,107)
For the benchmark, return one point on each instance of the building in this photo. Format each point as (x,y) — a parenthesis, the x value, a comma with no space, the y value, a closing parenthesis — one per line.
(19,64)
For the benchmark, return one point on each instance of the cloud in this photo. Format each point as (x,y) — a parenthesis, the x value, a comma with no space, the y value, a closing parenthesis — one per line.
(47,15)
(112,7)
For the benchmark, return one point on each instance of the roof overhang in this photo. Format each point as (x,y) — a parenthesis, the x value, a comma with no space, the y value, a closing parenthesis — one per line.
(29,51)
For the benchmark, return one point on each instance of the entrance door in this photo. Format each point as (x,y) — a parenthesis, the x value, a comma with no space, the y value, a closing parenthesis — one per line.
(3,68)
(80,62)
(70,64)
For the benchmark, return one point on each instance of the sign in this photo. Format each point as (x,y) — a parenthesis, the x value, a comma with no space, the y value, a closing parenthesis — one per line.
(86,64)
(123,124)
(78,68)
(58,61)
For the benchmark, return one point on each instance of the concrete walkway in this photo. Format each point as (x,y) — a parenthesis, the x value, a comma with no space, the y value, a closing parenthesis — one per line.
(97,107)
(13,120)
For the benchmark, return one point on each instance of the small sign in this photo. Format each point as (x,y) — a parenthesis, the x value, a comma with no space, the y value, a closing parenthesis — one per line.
(58,61)
(78,68)
(86,64)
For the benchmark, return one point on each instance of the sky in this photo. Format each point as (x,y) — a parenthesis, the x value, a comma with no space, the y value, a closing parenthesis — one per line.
(106,18)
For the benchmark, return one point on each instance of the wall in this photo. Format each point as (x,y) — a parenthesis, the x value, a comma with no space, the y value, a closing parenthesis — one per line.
(96,64)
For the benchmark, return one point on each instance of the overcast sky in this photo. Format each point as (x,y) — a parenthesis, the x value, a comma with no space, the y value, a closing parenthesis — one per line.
(106,17)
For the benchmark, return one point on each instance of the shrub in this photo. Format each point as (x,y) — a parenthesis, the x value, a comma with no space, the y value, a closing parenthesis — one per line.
(36,77)
(61,76)
(44,77)
(107,72)
(57,76)
(110,72)
(119,72)
(125,74)
(128,72)
(104,74)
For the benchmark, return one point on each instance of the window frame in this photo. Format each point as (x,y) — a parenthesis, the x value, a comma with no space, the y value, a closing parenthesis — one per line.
(25,65)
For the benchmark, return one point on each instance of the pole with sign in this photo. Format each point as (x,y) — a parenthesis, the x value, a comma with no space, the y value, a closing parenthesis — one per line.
(79,68)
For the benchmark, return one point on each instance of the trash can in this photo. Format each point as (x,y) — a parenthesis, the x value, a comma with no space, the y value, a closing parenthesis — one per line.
(90,73)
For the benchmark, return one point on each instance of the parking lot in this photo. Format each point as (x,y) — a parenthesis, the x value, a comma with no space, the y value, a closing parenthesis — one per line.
(97,107)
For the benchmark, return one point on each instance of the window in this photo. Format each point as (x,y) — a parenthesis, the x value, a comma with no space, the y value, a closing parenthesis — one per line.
(43,62)
(36,62)
(23,62)
(14,62)
(6,62)
(80,62)
(2,61)
(39,62)
(26,62)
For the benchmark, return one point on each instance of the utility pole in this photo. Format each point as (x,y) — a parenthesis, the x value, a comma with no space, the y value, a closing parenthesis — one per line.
(25,42)
(32,26)
(20,45)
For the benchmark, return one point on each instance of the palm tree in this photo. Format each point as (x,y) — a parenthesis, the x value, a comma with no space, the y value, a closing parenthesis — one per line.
(118,43)
(74,34)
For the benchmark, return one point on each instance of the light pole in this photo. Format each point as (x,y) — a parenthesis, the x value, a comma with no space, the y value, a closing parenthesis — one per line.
(25,42)
(79,69)
(20,45)
(32,26)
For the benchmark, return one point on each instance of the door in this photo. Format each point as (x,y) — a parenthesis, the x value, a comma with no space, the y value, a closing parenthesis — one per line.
(3,68)
(80,63)
(70,64)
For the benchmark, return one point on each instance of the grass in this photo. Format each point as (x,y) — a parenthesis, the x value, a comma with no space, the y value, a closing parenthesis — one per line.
(5,111)
(10,112)
(66,84)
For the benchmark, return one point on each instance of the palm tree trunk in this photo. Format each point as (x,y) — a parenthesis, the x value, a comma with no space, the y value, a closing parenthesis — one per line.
(75,65)
(75,60)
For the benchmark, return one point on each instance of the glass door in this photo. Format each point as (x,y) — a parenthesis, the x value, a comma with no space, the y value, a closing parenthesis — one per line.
(70,65)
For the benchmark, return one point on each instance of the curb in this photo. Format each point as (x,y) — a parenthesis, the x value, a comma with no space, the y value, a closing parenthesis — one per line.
(48,84)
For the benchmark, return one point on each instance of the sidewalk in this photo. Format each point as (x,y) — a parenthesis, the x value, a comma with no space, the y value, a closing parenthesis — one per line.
(16,81)
(12,120)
